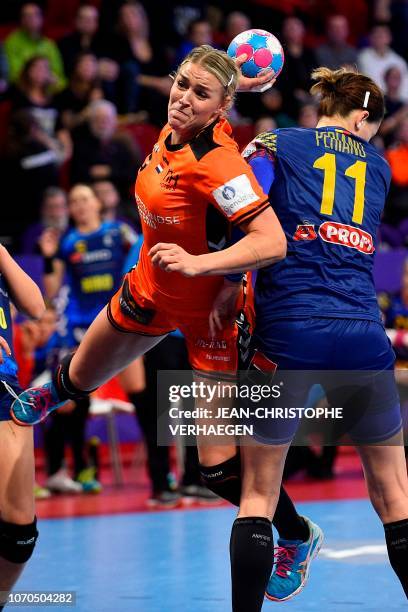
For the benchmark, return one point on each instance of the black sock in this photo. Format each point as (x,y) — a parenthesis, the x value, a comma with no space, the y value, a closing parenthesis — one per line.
(225,480)
(251,553)
(396,536)
(287,521)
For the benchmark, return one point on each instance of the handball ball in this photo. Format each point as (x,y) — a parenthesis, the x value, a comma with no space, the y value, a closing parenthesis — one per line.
(263,50)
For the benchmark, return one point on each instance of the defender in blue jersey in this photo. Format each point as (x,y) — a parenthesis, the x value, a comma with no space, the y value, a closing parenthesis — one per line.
(18,529)
(317,309)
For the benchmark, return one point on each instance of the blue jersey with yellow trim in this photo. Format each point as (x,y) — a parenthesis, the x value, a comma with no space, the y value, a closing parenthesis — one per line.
(8,368)
(94,268)
(328,189)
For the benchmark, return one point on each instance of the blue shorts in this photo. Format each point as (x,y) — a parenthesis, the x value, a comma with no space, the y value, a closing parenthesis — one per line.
(351,359)
(6,399)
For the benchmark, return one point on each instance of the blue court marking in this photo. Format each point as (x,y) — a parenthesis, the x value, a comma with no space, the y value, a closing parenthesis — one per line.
(178,562)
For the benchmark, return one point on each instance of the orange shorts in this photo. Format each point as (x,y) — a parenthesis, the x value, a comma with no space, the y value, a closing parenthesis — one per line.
(131,312)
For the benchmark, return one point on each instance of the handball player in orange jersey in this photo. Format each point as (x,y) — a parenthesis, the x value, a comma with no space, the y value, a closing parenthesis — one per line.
(189,192)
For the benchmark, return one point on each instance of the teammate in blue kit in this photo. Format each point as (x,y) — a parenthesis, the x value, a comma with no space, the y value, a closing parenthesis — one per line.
(317,309)
(89,259)
(18,529)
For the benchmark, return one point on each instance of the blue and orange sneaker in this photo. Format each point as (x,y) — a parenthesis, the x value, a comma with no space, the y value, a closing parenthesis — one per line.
(33,405)
(292,564)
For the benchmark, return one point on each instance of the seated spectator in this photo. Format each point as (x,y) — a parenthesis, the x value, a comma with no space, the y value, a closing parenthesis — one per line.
(375,60)
(271,103)
(84,87)
(336,52)
(395,109)
(198,33)
(54,214)
(84,39)
(235,23)
(396,209)
(132,50)
(113,209)
(100,152)
(264,124)
(299,63)
(308,115)
(28,40)
(33,91)
(30,165)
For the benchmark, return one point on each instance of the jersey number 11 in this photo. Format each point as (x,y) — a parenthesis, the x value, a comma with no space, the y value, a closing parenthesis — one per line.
(357,171)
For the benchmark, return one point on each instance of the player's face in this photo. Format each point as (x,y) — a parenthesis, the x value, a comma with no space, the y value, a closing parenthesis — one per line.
(84,207)
(196,100)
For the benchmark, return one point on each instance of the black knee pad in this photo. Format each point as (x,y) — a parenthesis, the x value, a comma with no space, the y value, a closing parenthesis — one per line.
(17,542)
(64,385)
(224,479)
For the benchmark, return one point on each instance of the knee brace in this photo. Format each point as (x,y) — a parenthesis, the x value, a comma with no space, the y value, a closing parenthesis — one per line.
(17,542)
(65,387)
(224,479)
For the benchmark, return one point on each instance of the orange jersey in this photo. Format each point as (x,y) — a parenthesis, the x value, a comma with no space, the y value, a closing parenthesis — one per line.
(189,194)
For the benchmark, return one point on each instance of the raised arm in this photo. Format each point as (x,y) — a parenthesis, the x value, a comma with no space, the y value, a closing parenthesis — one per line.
(24,292)
(54,268)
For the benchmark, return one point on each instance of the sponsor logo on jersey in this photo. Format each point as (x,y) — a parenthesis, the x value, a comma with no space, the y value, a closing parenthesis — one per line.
(348,236)
(235,194)
(153,220)
(305,232)
(91,257)
(211,344)
(228,193)
(170,180)
(80,246)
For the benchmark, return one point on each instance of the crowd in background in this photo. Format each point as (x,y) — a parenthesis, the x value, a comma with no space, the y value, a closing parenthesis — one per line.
(83,94)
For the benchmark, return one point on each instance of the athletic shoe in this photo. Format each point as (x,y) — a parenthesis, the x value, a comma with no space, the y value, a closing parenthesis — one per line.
(41,492)
(87,480)
(164,499)
(33,405)
(292,564)
(199,494)
(60,482)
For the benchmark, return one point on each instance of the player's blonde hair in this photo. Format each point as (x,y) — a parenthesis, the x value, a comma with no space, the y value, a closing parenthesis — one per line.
(217,63)
(344,90)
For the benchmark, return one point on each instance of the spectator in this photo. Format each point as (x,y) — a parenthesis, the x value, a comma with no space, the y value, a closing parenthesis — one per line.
(336,52)
(271,103)
(235,23)
(100,153)
(396,209)
(308,115)
(30,165)
(113,209)
(396,110)
(198,33)
(132,50)
(28,40)
(33,92)
(84,87)
(84,39)
(54,214)
(299,63)
(264,124)
(375,60)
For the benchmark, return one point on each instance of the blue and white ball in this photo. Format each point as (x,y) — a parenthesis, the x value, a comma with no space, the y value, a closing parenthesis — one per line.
(263,49)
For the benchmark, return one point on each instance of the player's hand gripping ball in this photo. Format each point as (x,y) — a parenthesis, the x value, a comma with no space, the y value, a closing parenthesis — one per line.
(263,50)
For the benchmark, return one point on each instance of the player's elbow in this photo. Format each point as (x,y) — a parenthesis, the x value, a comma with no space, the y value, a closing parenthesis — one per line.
(36,309)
